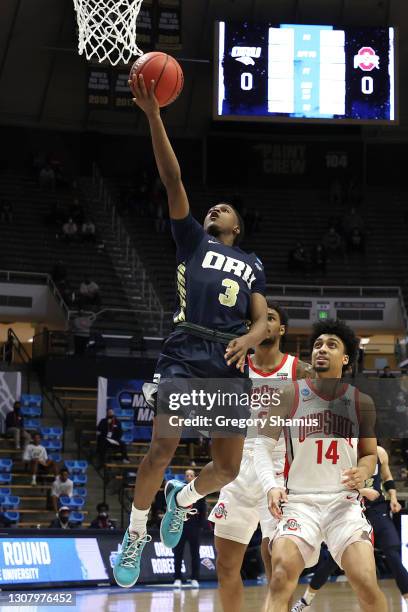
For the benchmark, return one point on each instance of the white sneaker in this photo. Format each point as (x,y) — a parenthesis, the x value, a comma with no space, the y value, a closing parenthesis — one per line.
(299,606)
(125,460)
(177,584)
(33,481)
(195,584)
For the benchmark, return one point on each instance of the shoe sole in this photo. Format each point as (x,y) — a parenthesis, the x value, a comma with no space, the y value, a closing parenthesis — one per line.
(125,586)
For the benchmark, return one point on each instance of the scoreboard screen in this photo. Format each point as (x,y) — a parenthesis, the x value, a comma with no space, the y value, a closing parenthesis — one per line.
(286,72)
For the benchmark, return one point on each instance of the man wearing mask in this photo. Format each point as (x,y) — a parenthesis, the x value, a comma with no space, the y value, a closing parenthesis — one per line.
(62,520)
(102,521)
(109,436)
(191,534)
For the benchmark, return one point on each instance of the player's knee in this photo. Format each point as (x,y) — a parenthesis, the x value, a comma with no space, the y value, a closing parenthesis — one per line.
(365,584)
(227,569)
(281,576)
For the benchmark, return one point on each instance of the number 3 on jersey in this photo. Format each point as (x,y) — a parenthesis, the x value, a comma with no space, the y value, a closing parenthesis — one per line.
(331,454)
(229,298)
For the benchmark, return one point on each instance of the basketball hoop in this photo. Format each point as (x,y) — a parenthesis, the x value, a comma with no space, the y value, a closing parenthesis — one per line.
(107,29)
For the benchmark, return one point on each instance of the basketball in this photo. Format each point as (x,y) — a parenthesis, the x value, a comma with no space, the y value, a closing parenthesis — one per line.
(166,73)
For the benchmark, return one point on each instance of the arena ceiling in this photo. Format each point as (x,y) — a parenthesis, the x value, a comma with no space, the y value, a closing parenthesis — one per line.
(43,80)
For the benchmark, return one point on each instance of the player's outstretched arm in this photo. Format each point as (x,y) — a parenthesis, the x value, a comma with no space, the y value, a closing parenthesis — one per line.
(388,481)
(165,157)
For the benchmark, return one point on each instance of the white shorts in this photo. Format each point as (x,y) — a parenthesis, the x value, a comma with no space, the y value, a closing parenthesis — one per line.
(334,518)
(242,504)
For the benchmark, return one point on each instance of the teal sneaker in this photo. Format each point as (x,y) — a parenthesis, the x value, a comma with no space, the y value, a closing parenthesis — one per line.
(172,523)
(127,565)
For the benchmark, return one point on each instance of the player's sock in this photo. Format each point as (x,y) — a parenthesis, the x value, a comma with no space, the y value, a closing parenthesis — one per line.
(138,521)
(188,495)
(308,597)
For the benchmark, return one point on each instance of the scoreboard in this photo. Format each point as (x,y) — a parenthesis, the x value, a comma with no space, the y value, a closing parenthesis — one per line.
(288,72)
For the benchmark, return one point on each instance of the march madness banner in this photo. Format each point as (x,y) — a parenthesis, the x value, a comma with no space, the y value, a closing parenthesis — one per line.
(25,560)
(125,394)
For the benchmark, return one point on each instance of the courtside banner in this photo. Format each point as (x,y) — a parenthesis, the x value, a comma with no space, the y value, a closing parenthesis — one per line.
(124,394)
(48,560)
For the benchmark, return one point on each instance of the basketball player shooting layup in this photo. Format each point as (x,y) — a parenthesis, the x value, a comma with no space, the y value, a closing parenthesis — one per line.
(323,475)
(219,288)
(242,504)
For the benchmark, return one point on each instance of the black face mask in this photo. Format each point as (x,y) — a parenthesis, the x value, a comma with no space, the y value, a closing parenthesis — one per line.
(64,519)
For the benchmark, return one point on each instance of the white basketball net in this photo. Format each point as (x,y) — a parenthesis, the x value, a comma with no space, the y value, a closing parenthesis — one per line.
(107,29)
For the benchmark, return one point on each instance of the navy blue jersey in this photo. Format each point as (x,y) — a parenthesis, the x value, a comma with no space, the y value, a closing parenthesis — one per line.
(375,483)
(214,281)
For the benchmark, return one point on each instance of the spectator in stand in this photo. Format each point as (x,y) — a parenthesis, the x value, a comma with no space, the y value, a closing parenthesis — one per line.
(69,230)
(298,260)
(88,231)
(76,211)
(15,426)
(62,485)
(62,520)
(356,242)
(36,455)
(351,221)
(319,258)
(89,293)
(81,330)
(386,373)
(109,436)
(333,243)
(6,211)
(102,521)
(192,534)
(59,272)
(47,177)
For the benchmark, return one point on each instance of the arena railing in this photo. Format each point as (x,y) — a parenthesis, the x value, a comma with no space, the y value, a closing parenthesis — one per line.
(341,291)
(131,256)
(35,278)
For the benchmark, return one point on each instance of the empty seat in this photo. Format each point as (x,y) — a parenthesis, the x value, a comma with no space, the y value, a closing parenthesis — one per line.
(6,465)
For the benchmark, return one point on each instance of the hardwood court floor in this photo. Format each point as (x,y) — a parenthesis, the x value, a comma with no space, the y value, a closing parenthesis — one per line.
(334,597)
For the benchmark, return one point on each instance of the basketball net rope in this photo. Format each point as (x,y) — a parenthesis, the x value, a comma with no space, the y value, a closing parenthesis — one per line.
(107,29)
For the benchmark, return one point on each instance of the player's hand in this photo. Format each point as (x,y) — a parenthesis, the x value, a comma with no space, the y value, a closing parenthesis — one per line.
(275,498)
(395,506)
(236,352)
(370,494)
(144,95)
(354,478)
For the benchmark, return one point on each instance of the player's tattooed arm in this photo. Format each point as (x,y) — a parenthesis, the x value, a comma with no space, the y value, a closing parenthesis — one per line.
(166,160)
(237,349)
(304,370)
(355,478)
(386,477)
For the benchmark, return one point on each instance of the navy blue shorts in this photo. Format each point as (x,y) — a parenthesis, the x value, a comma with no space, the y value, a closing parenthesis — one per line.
(185,356)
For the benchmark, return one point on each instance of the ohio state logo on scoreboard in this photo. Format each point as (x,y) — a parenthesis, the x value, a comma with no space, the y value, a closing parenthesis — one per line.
(367,59)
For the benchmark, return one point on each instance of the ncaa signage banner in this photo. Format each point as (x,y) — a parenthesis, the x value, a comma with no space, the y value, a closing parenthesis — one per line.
(125,395)
(50,560)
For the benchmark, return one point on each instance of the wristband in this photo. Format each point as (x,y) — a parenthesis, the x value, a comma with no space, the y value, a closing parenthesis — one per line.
(389,484)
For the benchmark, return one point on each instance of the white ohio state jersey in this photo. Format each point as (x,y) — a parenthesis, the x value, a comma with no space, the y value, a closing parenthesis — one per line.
(325,443)
(262,382)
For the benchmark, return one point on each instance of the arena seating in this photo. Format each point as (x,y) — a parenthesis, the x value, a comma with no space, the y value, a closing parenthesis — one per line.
(29,244)
(286,217)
